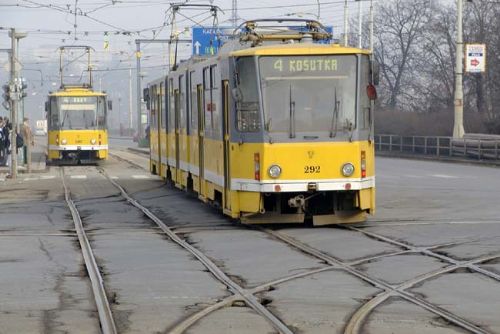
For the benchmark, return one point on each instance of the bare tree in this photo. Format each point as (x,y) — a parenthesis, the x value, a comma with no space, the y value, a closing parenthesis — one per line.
(400,26)
(482,27)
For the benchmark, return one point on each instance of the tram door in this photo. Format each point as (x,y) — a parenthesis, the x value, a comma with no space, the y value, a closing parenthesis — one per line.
(201,135)
(227,150)
(177,176)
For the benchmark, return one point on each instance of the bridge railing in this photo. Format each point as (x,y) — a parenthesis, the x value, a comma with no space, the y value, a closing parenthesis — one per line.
(472,146)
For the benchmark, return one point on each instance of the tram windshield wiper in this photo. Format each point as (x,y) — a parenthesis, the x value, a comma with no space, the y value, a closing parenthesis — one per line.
(292,115)
(64,119)
(335,116)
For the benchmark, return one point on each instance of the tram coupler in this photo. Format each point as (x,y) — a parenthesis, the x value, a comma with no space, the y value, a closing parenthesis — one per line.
(298,202)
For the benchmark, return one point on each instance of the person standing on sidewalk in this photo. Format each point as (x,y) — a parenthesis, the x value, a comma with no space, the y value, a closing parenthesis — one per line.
(7,127)
(28,142)
(3,144)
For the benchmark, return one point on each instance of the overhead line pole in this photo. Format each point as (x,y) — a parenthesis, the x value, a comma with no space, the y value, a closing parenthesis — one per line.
(15,96)
(458,128)
(234,14)
(13,106)
(346,23)
(371,26)
(360,24)
(130,124)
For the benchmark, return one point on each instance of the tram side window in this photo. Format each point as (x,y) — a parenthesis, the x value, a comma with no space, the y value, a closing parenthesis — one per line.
(153,116)
(171,109)
(364,101)
(182,106)
(247,96)
(216,105)
(162,106)
(54,114)
(193,105)
(101,112)
(207,102)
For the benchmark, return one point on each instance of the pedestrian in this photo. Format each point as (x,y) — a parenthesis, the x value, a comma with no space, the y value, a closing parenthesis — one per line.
(7,127)
(3,144)
(28,141)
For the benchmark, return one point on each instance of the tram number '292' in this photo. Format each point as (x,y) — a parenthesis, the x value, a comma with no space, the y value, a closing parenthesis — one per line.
(312,169)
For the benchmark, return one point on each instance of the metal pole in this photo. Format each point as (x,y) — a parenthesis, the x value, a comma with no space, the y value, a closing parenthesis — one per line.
(234,14)
(119,114)
(138,69)
(360,24)
(13,106)
(130,125)
(458,128)
(319,10)
(371,26)
(346,23)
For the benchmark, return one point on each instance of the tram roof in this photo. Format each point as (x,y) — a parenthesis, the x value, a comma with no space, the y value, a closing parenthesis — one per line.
(77,91)
(298,49)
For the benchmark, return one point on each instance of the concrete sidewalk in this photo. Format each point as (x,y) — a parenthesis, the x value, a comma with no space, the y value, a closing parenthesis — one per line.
(38,157)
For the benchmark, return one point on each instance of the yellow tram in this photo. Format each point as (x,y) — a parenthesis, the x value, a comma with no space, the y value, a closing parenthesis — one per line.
(77,131)
(274,128)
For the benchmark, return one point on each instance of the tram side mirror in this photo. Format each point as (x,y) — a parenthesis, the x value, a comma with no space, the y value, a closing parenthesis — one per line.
(47,104)
(236,92)
(110,105)
(145,94)
(375,67)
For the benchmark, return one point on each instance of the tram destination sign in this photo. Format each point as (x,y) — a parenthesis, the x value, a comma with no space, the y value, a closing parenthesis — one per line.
(475,58)
(317,66)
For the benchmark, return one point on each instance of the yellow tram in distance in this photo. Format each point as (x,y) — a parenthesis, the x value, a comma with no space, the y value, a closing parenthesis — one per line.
(275,128)
(77,131)
(76,116)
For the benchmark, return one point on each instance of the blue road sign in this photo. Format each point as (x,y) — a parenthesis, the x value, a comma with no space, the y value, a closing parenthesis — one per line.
(207,41)
(329,29)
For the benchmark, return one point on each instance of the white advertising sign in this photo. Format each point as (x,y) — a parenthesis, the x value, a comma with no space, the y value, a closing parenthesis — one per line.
(475,58)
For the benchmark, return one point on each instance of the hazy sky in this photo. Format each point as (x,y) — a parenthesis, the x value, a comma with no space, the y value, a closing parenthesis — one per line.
(51,24)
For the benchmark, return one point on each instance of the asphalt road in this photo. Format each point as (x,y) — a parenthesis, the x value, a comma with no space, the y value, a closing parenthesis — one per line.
(427,262)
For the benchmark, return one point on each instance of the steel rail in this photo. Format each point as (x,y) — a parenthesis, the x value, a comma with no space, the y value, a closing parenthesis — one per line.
(470,264)
(388,289)
(126,160)
(357,319)
(103,308)
(248,297)
(188,322)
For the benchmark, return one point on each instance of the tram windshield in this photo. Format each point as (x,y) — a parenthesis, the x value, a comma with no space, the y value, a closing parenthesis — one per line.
(309,94)
(79,113)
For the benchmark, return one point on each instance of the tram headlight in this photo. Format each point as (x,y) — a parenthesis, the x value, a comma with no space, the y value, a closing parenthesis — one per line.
(64,141)
(348,169)
(93,141)
(274,171)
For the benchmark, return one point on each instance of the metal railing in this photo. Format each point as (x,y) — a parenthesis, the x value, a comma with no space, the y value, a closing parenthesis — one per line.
(473,147)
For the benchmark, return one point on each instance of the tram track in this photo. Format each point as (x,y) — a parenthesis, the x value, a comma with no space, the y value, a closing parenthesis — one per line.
(241,293)
(103,307)
(354,324)
(359,316)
